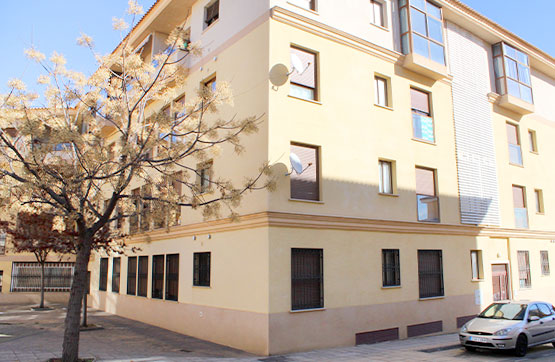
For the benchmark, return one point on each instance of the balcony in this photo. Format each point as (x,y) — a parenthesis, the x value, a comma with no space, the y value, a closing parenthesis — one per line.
(515,104)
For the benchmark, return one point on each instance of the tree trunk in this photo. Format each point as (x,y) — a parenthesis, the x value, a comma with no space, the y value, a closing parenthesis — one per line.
(41,285)
(71,333)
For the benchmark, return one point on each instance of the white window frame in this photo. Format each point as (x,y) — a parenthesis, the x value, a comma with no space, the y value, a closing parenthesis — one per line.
(381,6)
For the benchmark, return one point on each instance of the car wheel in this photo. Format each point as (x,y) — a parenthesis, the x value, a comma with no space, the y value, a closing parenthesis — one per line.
(470,348)
(521,346)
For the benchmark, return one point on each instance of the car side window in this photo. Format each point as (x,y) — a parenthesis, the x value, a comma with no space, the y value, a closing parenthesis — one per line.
(544,310)
(534,311)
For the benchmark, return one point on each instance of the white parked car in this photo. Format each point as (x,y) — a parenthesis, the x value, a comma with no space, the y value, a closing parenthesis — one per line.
(510,325)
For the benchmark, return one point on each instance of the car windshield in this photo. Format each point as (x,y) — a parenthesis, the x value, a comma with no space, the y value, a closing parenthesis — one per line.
(510,311)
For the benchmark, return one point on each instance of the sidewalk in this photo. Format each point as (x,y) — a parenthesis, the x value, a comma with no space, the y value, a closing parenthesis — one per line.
(26,335)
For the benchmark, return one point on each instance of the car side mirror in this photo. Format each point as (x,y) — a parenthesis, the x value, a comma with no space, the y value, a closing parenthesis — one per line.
(533,318)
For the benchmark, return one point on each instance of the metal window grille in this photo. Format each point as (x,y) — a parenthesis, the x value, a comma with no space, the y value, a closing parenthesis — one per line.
(307,278)
(525,280)
(201,269)
(391,268)
(116,271)
(103,280)
(132,275)
(172,276)
(158,276)
(143,276)
(545,262)
(26,277)
(430,273)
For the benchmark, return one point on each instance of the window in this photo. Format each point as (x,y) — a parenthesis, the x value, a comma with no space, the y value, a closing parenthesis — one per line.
(377,13)
(103,281)
(172,276)
(303,80)
(158,276)
(1,279)
(382,96)
(116,271)
(524,269)
(174,183)
(422,29)
(211,13)
(386,177)
(544,257)
(134,218)
(539,201)
(305,4)
(422,121)
(132,275)
(25,276)
(430,273)
(533,141)
(2,243)
(145,209)
(512,72)
(515,154)
(178,108)
(427,201)
(391,268)
(519,204)
(211,84)
(306,185)
(143,276)
(307,278)
(204,177)
(201,269)
(476,264)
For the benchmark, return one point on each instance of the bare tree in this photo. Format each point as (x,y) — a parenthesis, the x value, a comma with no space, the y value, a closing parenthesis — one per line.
(78,157)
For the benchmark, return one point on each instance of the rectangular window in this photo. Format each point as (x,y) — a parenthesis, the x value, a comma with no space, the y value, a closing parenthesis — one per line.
(427,201)
(172,276)
(211,84)
(430,273)
(305,4)
(145,209)
(391,268)
(158,276)
(544,255)
(303,79)
(377,13)
(132,275)
(116,271)
(211,13)
(134,218)
(1,279)
(539,201)
(512,72)
(422,29)
(103,281)
(2,243)
(515,153)
(533,141)
(422,121)
(204,177)
(386,177)
(519,204)
(25,276)
(307,278)
(381,92)
(524,269)
(476,264)
(142,286)
(201,269)
(306,185)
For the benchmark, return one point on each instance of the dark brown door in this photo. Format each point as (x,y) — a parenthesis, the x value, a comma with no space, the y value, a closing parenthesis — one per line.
(499,278)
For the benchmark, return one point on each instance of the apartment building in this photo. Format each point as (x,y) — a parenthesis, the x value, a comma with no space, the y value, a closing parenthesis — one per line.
(425,194)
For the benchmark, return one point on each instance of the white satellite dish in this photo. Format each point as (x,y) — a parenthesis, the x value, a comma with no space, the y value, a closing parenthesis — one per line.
(296,163)
(297,65)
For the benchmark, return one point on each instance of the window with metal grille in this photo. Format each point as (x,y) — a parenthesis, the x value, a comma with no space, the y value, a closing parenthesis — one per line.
(515,153)
(211,13)
(391,268)
(426,199)
(142,272)
(306,186)
(201,269)
(172,276)
(103,281)
(132,275)
(422,121)
(158,276)
(303,81)
(307,278)
(430,273)
(512,72)
(544,256)
(26,277)
(116,271)
(525,280)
